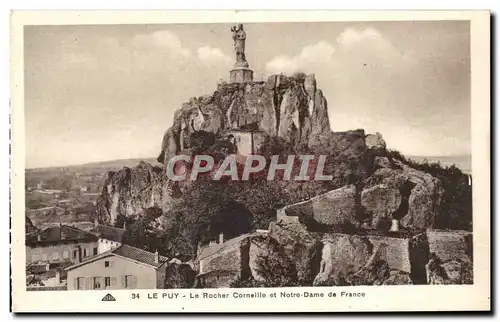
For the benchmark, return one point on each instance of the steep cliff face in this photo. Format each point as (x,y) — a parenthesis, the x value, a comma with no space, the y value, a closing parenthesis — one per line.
(131,190)
(288,107)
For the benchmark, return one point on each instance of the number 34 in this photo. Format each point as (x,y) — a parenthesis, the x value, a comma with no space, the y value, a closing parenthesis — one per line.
(135,296)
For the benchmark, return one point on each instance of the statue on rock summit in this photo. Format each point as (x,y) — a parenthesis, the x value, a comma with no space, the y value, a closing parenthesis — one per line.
(241,73)
(239,37)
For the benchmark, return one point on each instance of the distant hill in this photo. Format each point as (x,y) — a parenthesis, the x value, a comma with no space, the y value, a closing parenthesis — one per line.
(74,176)
(463,162)
(103,165)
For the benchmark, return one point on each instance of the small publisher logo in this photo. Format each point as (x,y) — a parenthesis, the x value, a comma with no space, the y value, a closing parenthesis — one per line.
(108,298)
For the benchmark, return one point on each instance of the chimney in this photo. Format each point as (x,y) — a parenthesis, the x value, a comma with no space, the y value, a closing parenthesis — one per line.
(221,238)
(47,266)
(124,225)
(38,238)
(96,221)
(157,257)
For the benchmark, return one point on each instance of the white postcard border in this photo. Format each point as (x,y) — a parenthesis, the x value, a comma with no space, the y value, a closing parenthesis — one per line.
(377,298)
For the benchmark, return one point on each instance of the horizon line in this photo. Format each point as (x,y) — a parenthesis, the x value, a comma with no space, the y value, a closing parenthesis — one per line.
(154,158)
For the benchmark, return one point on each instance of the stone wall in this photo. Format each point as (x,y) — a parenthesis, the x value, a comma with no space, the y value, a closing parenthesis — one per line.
(448,245)
(216,279)
(395,251)
(335,207)
(346,257)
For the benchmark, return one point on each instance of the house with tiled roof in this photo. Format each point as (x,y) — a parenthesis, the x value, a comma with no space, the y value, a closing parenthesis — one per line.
(124,267)
(46,276)
(60,244)
(109,237)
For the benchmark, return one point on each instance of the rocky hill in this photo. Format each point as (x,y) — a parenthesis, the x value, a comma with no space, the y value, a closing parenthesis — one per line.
(287,107)
(294,109)
(372,189)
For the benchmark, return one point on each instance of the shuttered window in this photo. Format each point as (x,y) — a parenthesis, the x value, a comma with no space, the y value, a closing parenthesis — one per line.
(130,281)
(97,283)
(107,281)
(80,283)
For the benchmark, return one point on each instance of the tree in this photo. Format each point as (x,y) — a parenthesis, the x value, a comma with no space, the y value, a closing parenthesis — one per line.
(206,209)
(142,232)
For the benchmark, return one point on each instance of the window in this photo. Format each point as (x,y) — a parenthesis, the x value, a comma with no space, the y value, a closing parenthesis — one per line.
(80,283)
(97,283)
(85,252)
(129,281)
(106,263)
(95,250)
(65,254)
(75,254)
(107,281)
(55,256)
(44,257)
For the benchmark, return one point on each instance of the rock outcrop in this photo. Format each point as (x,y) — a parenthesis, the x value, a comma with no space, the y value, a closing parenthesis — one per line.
(179,275)
(451,257)
(376,142)
(303,247)
(419,194)
(454,271)
(290,254)
(334,208)
(340,237)
(288,107)
(393,191)
(381,201)
(131,190)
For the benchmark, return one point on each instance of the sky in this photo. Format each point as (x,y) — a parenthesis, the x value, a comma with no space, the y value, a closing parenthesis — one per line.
(107,92)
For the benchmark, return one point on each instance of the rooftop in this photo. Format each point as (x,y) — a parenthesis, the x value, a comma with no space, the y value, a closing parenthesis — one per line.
(209,250)
(108,232)
(130,252)
(59,234)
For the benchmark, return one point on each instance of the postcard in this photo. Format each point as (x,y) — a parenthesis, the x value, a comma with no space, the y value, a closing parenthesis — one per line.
(250,161)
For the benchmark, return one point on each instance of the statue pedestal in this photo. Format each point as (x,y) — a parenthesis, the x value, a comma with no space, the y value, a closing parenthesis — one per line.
(241,75)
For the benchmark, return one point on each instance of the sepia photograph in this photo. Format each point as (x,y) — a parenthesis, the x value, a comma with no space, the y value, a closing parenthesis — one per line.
(230,158)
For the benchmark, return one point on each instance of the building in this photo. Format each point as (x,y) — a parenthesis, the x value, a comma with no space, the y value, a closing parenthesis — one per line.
(60,244)
(46,276)
(125,267)
(109,237)
(247,142)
